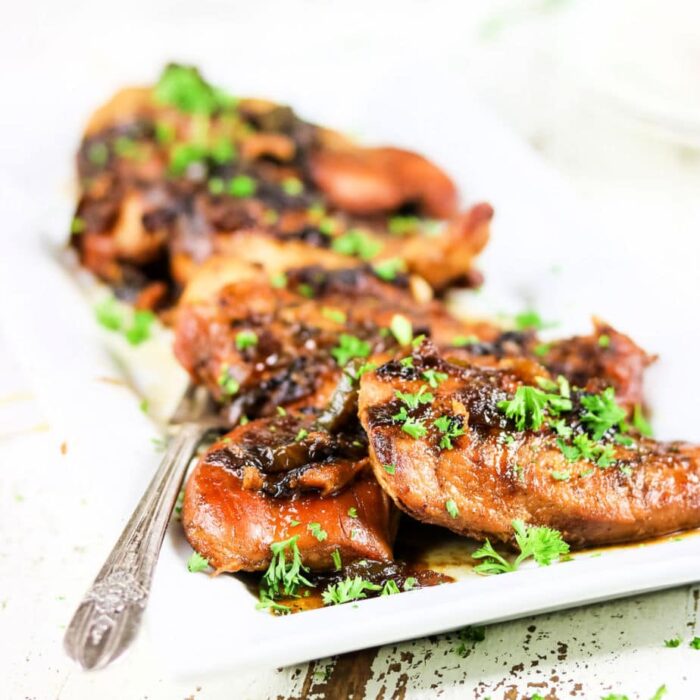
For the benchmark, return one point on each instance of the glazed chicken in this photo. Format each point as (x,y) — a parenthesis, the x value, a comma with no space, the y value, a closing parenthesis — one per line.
(261,343)
(275,478)
(174,174)
(480,446)
(605,358)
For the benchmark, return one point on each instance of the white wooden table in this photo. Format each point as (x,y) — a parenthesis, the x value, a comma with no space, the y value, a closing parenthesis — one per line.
(52,543)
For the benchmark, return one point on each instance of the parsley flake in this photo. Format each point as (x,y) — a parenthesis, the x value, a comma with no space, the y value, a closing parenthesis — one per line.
(402,329)
(197,563)
(348,590)
(451,428)
(246,339)
(242,186)
(543,544)
(434,378)
(317,531)
(390,468)
(285,577)
(388,269)
(349,347)
(229,385)
(337,561)
(357,243)
(451,508)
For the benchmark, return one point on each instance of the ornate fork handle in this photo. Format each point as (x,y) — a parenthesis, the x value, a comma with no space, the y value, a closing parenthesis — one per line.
(108,617)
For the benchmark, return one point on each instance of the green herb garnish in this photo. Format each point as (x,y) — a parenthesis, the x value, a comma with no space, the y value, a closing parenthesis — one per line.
(348,590)
(349,347)
(317,531)
(246,339)
(358,243)
(543,544)
(402,329)
(197,563)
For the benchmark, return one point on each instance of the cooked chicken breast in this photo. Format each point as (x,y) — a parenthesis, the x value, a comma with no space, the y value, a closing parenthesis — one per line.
(176,173)
(262,344)
(459,457)
(274,478)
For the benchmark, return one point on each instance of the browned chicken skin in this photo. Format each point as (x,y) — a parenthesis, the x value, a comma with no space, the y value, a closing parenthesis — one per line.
(494,474)
(263,483)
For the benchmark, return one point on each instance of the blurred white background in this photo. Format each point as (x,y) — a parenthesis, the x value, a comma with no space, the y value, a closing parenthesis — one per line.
(607,91)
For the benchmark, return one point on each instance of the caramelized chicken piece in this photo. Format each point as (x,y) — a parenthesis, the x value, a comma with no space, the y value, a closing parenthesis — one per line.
(604,358)
(300,336)
(458,461)
(591,362)
(175,174)
(274,478)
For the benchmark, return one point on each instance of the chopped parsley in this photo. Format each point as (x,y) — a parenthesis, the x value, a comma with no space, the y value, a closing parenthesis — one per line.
(640,422)
(401,329)
(460,341)
(401,225)
(451,508)
(222,152)
(422,396)
(306,290)
(349,347)
(216,185)
(242,186)
(543,544)
(673,643)
(182,155)
(414,428)
(560,475)
(389,268)
(229,385)
(531,320)
(406,362)
(98,153)
(348,590)
(109,314)
(300,436)
(184,88)
(143,406)
(335,315)
(165,133)
(337,561)
(602,412)
(527,407)
(434,378)
(285,577)
(140,329)
(278,280)
(451,428)
(541,349)
(352,512)
(390,468)
(317,531)
(694,643)
(390,588)
(281,411)
(197,563)
(409,583)
(604,340)
(77,225)
(292,186)
(358,243)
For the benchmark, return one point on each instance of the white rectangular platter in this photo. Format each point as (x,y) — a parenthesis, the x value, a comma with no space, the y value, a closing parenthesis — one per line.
(545,253)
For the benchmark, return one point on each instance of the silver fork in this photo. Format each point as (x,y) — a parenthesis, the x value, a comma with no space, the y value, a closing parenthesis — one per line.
(109,615)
